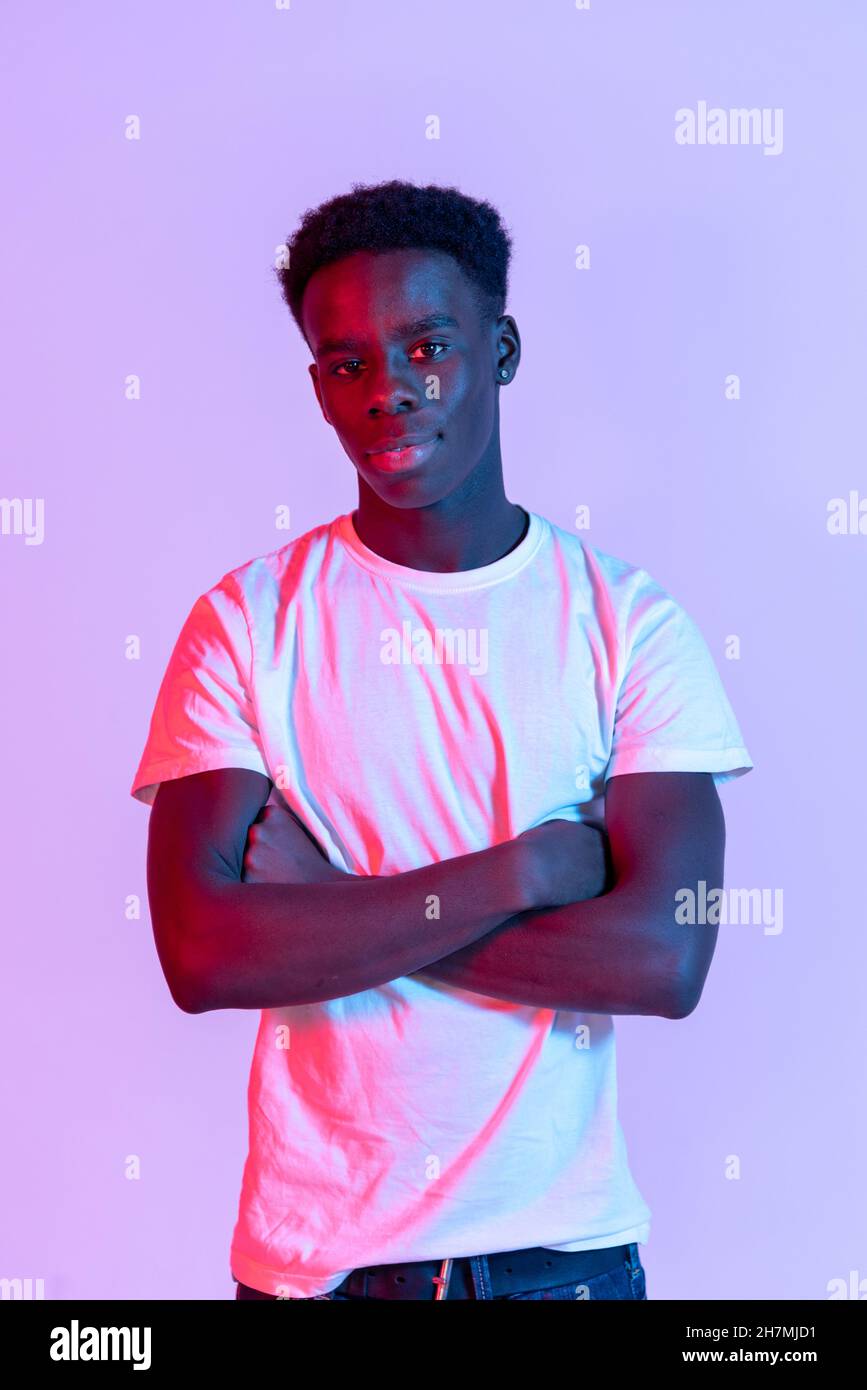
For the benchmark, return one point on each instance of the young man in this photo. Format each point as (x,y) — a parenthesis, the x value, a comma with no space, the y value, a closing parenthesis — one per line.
(490,754)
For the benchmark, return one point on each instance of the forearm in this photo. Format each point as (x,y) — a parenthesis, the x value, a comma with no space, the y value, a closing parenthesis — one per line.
(602,955)
(267,945)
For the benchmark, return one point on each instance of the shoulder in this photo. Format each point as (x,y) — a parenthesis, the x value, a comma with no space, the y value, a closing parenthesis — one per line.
(266,583)
(617,589)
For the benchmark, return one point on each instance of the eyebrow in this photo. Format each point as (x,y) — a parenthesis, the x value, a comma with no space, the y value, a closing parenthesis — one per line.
(402,330)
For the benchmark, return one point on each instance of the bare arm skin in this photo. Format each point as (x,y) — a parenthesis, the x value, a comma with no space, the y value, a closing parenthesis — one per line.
(227,943)
(622,952)
(615,946)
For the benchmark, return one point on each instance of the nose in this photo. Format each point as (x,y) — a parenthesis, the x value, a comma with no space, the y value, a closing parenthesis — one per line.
(394,402)
(392,391)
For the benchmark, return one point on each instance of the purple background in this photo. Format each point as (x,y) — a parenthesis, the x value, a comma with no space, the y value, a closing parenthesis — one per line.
(154,257)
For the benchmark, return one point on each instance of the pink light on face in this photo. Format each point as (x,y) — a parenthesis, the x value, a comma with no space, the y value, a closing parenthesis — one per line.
(402,460)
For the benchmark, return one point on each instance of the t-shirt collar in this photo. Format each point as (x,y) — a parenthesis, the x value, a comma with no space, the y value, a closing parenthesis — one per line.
(443,580)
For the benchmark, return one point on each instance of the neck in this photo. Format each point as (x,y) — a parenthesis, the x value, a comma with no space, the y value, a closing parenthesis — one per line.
(461,532)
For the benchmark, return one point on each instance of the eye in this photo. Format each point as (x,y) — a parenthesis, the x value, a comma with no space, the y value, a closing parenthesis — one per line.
(445,347)
(337,369)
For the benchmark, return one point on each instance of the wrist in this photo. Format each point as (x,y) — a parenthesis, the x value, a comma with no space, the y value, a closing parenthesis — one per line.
(521,871)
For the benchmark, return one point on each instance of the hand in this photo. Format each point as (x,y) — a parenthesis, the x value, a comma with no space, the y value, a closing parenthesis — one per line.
(280,849)
(567,862)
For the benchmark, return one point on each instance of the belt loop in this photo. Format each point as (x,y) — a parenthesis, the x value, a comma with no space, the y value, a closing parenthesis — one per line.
(442,1279)
(481,1276)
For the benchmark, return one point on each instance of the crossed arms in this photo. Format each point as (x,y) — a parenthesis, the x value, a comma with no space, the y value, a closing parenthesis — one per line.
(619,950)
(483,921)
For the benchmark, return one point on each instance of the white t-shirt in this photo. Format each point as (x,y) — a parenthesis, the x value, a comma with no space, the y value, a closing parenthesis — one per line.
(408,717)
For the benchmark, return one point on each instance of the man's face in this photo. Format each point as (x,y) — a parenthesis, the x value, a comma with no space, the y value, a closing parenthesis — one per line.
(381,374)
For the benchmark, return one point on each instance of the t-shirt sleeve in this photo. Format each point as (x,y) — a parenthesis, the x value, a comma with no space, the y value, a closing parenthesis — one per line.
(204,716)
(672,712)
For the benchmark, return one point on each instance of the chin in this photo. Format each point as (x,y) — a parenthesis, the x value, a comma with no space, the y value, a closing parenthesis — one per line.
(401,491)
(404,496)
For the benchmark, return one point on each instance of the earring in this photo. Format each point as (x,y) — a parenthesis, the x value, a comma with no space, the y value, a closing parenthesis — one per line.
(503,372)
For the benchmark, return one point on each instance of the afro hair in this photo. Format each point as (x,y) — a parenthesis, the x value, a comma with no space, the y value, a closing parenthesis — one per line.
(397,215)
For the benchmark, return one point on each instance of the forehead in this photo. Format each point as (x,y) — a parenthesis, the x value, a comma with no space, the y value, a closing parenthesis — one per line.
(384,291)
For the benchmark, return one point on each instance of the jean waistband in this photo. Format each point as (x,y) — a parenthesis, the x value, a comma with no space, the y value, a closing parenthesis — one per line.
(506,1271)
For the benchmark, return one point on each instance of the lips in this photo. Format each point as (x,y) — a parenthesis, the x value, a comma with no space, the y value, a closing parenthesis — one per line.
(400,455)
(391,444)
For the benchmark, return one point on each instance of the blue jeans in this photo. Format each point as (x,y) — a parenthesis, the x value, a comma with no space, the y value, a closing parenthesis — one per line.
(626,1280)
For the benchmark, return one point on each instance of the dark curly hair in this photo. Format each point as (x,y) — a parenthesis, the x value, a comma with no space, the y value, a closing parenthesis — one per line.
(395,215)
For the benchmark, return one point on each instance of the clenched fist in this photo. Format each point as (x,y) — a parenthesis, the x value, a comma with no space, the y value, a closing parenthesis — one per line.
(280,849)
